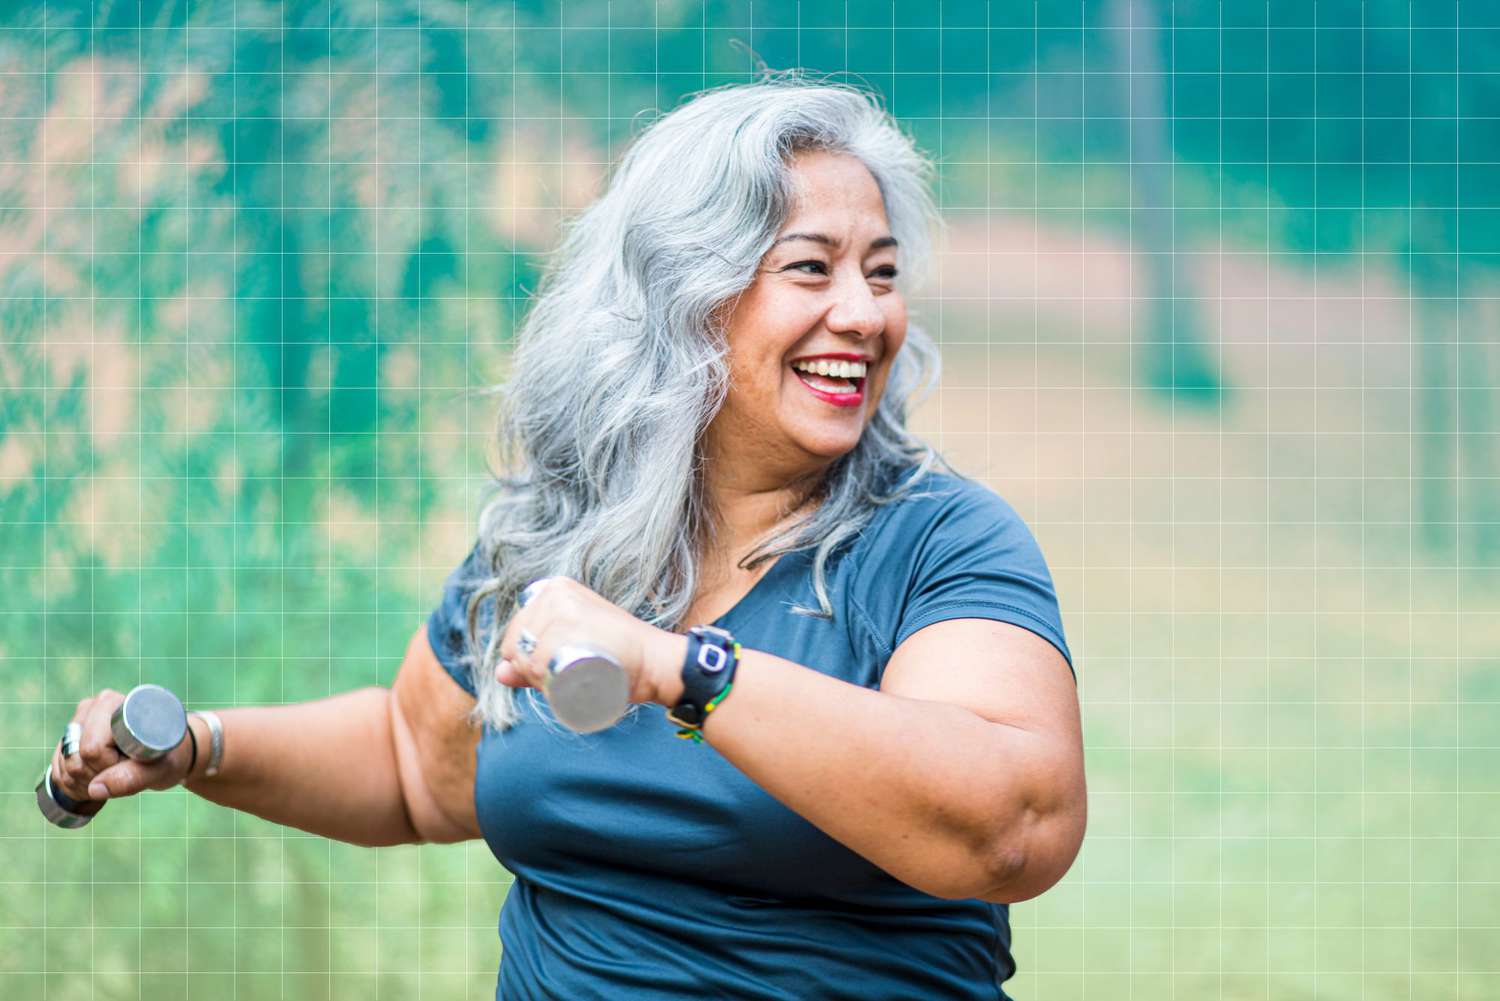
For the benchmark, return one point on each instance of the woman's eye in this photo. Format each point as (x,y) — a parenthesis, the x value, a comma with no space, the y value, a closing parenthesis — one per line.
(887,271)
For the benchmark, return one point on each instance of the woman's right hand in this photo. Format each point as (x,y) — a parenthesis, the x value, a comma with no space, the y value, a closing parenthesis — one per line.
(99,771)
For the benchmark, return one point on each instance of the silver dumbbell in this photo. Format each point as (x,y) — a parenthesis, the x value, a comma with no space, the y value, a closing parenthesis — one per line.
(146,726)
(587,688)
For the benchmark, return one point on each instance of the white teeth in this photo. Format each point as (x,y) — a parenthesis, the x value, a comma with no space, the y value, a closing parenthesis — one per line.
(837,369)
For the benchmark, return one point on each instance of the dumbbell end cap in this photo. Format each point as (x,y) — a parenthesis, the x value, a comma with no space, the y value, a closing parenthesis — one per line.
(61,810)
(589,691)
(149,723)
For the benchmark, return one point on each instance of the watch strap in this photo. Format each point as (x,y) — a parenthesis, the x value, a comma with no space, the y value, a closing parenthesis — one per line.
(707,673)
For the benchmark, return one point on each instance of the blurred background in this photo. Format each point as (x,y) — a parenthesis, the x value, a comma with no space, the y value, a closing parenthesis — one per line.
(1217,304)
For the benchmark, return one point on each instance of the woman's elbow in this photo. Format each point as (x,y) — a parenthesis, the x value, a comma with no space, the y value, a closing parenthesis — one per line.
(1032,856)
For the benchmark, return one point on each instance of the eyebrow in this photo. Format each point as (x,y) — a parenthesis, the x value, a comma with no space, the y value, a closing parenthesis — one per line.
(876,244)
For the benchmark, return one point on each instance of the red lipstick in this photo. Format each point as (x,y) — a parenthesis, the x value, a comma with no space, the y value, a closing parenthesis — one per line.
(853,399)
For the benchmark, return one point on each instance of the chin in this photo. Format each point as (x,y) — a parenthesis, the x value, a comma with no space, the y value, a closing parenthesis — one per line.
(828,446)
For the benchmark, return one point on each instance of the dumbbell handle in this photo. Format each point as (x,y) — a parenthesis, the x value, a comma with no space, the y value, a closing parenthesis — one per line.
(146,726)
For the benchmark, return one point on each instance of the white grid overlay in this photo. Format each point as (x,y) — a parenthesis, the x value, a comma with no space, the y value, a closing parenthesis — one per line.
(1281,648)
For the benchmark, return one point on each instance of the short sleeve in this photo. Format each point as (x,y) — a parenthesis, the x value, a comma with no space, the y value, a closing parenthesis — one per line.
(448,625)
(978,560)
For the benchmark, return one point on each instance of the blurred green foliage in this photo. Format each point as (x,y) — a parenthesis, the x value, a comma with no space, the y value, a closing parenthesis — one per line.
(257,260)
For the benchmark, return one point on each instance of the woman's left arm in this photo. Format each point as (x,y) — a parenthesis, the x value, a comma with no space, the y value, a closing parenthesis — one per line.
(962,776)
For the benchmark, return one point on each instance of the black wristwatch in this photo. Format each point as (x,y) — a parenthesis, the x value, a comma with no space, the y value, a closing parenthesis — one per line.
(707,673)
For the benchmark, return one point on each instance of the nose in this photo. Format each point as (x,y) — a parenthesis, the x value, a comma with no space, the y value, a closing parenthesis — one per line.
(854,309)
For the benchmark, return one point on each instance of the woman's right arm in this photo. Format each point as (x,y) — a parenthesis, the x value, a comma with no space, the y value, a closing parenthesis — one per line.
(376,766)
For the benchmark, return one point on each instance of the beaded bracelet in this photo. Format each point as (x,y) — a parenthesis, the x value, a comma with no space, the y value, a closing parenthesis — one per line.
(696,733)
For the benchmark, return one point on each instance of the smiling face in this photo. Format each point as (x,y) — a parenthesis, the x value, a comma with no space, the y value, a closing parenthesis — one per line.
(825,290)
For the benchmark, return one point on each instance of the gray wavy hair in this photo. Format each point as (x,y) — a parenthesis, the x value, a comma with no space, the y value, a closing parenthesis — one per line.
(606,484)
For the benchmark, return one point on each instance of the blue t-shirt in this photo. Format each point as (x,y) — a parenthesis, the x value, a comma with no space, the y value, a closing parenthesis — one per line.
(647,866)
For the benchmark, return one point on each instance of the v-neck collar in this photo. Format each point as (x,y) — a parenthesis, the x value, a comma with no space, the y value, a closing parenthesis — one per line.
(754,598)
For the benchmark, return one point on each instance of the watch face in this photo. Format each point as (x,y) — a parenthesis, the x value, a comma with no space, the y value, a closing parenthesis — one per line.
(711,658)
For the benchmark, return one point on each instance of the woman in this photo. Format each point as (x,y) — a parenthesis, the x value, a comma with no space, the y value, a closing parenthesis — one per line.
(706,424)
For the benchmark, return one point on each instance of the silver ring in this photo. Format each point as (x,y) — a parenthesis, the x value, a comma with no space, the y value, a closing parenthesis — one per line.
(71,736)
(529,591)
(526,643)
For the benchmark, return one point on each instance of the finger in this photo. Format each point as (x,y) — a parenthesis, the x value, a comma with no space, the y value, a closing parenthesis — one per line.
(534,620)
(521,670)
(80,713)
(124,779)
(97,746)
(507,646)
(73,775)
(70,773)
(539,674)
(534,666)
(63,782)
(508,674)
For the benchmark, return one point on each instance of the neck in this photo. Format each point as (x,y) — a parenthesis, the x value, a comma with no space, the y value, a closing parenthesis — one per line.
(746,506)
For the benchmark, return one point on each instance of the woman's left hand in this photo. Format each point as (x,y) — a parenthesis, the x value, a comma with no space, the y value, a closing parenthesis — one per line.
(562,611)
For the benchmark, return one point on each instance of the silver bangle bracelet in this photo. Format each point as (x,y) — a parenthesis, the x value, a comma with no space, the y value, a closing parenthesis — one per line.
(215,741)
